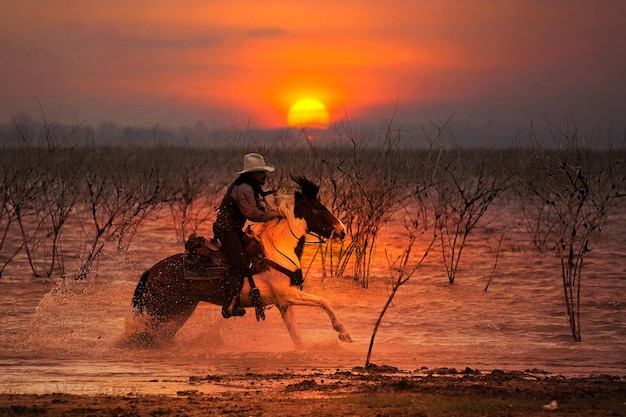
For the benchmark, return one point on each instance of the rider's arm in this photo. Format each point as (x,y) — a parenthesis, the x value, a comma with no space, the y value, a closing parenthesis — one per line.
(244,195)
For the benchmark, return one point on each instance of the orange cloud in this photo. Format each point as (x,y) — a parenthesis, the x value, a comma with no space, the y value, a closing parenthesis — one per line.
(256,59)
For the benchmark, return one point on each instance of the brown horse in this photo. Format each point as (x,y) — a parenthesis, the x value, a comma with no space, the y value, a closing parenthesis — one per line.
(164,299)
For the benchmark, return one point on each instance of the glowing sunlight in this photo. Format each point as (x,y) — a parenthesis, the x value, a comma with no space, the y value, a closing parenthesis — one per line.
(308,112)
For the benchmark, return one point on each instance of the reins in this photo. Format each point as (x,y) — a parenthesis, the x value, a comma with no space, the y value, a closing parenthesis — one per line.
(319,241)
(286,256)
(295,277)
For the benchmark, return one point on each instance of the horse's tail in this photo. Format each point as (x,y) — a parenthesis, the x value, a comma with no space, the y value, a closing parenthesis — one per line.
(139,297)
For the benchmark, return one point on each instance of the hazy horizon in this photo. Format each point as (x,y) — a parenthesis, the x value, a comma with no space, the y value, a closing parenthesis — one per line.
(23,128)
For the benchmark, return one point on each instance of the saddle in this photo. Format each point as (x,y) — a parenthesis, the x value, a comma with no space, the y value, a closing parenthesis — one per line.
(204,260)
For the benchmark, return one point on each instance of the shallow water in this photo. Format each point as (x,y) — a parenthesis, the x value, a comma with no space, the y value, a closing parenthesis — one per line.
(68,336)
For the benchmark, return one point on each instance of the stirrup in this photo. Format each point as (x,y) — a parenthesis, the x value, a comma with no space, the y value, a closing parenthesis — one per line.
(259,307)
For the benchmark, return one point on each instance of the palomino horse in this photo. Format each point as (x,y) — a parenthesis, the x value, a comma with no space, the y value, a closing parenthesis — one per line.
(165,299)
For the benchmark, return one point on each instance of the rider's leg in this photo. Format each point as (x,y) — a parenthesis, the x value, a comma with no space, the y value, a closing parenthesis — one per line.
(233,281)
(232,289)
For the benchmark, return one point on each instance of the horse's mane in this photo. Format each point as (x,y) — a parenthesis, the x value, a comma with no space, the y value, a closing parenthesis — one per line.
(286,225)
(285,203)
(277,235)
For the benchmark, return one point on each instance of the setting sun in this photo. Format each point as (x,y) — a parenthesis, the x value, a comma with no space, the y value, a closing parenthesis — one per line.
(308,112)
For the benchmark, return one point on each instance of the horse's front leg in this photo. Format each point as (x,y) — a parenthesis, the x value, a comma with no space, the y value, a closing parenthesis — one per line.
(305,299)
(288,318)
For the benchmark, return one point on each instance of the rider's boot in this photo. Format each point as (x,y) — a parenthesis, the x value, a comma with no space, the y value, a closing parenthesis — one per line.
(233,285)
(231,308)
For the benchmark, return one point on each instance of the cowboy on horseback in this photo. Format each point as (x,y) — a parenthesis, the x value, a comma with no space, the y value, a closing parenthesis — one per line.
(244,200)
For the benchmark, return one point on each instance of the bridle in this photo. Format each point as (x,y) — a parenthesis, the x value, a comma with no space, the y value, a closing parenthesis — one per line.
(319,240)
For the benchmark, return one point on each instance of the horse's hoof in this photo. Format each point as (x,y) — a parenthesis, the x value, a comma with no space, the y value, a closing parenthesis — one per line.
(345,338)
(260,313)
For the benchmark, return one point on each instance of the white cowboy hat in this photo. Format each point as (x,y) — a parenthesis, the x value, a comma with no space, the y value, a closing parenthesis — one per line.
(255,162)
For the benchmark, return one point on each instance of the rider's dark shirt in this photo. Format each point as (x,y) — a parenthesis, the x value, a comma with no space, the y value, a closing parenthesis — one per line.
(242,202)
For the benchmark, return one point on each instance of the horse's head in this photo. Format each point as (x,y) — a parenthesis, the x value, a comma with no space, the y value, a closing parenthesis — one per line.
(318,218)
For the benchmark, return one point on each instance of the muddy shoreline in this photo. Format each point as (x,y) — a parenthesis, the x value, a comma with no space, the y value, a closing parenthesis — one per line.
(378,390)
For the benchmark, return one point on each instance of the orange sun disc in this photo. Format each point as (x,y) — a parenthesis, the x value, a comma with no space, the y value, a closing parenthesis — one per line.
(308,112)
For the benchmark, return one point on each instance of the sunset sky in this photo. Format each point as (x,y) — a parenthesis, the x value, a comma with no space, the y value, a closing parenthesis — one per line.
(233,63)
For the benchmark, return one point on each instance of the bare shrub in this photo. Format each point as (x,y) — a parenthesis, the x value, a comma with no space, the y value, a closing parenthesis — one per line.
(405,266)
(14,192)
(568,191)
(54,197)
(198,180)
(463,185)
(57,164)
(119,190)
(38,189)
(371,179)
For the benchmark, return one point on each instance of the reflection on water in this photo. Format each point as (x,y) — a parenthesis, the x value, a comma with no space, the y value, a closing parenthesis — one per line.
(69,336)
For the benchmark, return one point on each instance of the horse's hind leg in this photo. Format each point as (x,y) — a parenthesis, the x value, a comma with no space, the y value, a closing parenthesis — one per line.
(169,327)
(154,331)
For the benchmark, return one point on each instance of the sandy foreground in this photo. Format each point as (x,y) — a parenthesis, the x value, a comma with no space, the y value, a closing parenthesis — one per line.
(377,391)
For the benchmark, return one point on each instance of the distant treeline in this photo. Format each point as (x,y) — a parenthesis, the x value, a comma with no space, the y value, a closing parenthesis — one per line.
(414,133)
(25,128)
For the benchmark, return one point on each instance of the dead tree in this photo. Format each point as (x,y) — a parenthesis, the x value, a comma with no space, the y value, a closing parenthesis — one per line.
(464,184)
(569,189)
(119,188)
(404,267)
(14,178)
(372,179)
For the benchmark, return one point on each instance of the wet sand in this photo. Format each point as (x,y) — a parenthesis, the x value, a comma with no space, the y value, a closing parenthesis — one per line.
(378,390)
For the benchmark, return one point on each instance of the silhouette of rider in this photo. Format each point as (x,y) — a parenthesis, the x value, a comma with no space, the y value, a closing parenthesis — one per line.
(243,201)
